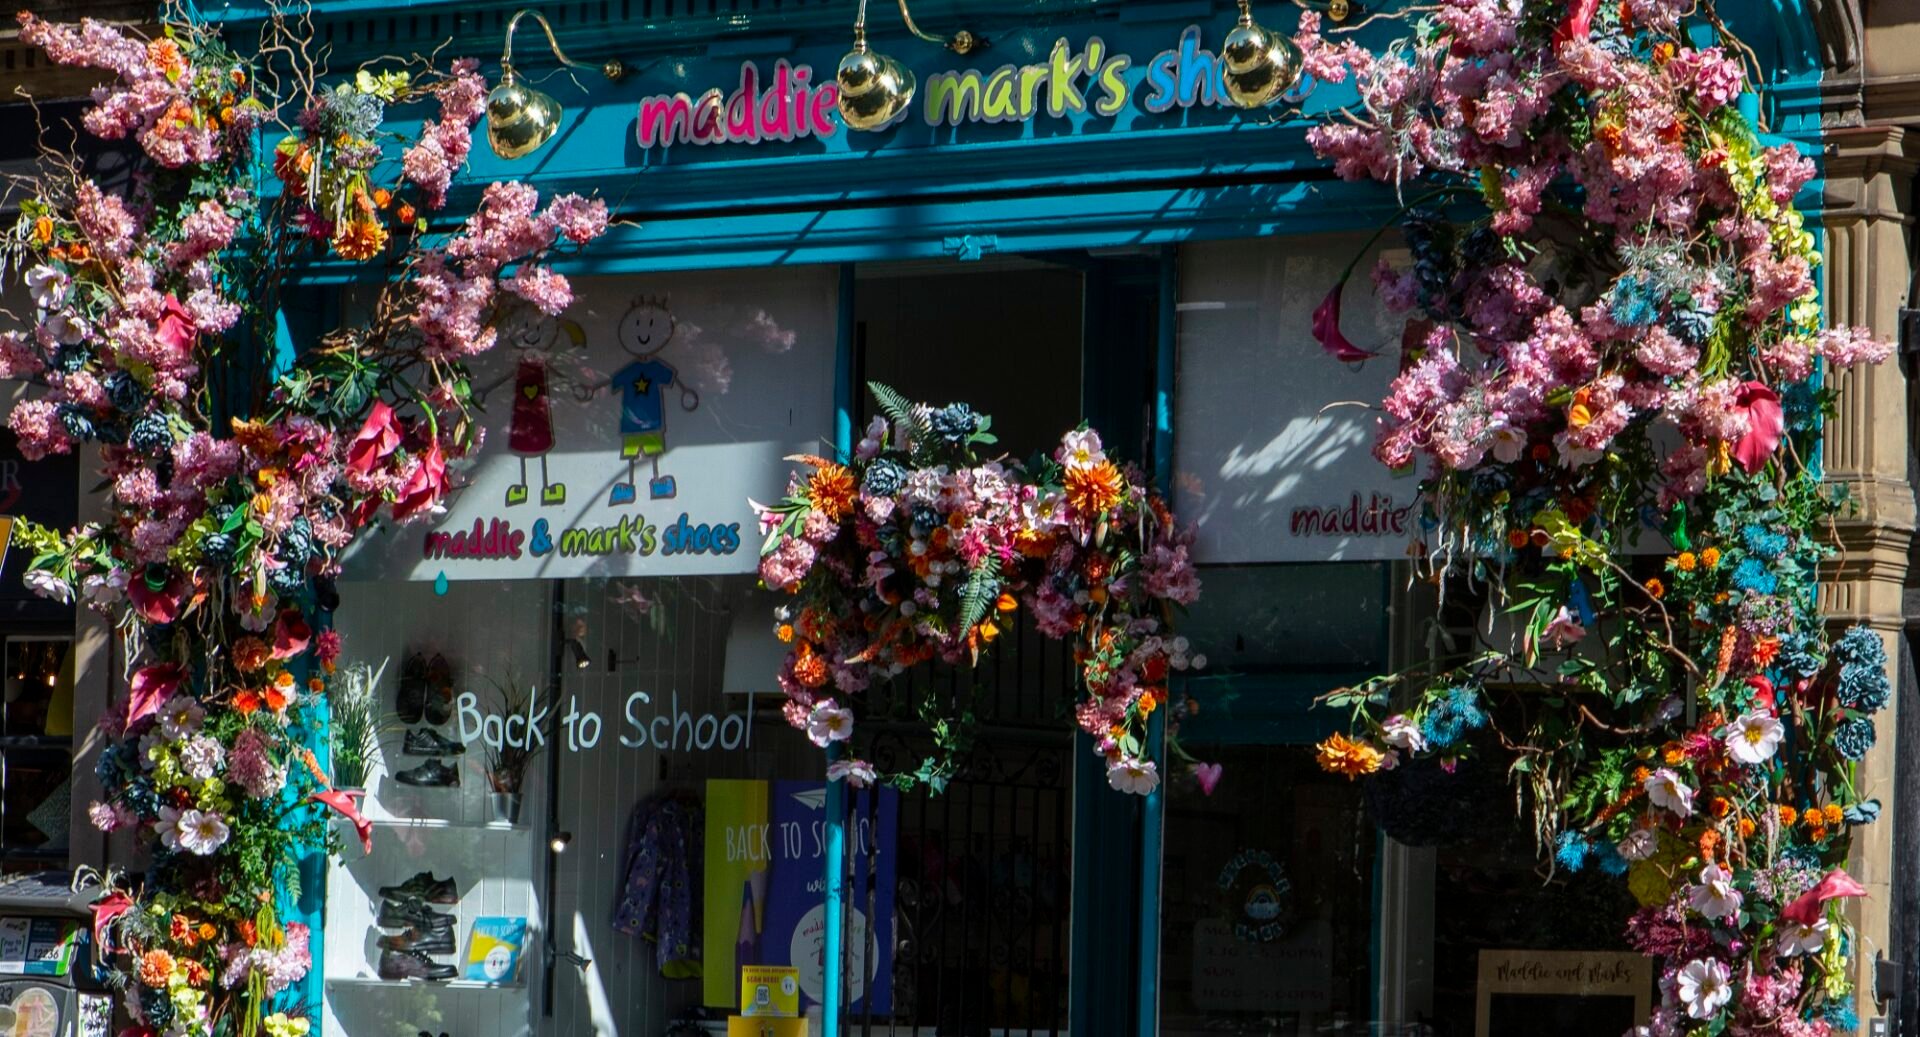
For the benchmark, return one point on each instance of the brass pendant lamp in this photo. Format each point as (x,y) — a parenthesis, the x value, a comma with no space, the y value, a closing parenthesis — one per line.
(519,117)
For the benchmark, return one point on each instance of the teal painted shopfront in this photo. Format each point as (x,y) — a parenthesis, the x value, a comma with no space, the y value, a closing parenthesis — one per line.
(1069,222)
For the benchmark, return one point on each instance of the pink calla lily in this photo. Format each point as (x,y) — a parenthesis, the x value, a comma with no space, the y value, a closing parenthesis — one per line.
(1766,425)
(424,486)
(378,438)
(290,635)
(343,804)
(1326,329)
(175,329)
(1805,909)
(158,606)
(1578,24)
(150,687)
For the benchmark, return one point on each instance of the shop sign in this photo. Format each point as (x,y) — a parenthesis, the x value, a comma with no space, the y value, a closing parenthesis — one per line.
(1231,974)
(1583,992)
(1075,80)
(627,438)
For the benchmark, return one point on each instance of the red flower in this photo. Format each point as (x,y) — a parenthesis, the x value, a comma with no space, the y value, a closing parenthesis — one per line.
(1766,424)
(290,635)
(1763,696)
(1805,909)
(326,646)
(1578,24)
(1326,329)
(378,438)
(150,687)
(158,606)
(425,485)
(175,329)
(105,910)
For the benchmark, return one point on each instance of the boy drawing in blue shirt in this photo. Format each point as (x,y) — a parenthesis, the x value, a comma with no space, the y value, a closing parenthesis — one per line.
(644,333)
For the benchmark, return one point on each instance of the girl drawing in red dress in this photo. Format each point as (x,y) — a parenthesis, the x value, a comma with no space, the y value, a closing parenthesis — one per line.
(530,424)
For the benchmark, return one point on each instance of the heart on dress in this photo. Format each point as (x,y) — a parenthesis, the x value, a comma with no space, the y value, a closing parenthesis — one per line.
(532,392)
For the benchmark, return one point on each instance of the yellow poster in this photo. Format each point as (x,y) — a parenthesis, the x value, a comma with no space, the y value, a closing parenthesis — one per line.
(770,991)
(741,1026)
(738,850)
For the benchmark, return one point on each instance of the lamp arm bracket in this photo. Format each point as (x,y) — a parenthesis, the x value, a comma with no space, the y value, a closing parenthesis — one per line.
(612,69)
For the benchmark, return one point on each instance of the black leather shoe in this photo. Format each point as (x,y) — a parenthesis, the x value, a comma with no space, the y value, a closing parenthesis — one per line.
(408,965)
(425,741)
(439,697)
(424,887)
(413,914)
(430,941)
(431,774)
(411,699)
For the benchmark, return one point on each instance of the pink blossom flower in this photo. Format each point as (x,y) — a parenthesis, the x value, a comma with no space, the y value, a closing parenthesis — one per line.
(547,291)
(857,773)
(827,723)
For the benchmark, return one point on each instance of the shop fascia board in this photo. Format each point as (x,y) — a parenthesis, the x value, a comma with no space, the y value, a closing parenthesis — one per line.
(914,230)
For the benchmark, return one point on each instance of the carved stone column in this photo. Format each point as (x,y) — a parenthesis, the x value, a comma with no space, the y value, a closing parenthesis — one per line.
(1867,207)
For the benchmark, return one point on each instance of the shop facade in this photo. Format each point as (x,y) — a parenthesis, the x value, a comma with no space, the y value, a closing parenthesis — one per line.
(1072,223)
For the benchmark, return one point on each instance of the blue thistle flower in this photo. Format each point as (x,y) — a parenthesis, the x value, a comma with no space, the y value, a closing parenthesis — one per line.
(883,479)
(1611,863)
(1634,304)
(1840,1015)
(1853,737)
(1571,850)
(1457,712)
(1690,325)
(954,423)
(1753,575)
(1861,645)
(1764,542)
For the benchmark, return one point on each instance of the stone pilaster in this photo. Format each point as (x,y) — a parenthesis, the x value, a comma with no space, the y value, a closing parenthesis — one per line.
(1867,277)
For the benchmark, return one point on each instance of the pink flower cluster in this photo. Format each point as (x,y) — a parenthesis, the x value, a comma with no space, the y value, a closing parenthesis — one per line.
(444,143)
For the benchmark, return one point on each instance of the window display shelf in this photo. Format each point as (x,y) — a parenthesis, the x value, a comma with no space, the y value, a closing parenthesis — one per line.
(375,982)
(442,822)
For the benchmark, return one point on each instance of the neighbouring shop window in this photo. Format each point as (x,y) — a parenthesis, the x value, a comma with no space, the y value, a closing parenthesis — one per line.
(36,750)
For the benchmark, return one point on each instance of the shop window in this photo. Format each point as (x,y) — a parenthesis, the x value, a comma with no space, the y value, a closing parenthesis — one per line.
(36,750)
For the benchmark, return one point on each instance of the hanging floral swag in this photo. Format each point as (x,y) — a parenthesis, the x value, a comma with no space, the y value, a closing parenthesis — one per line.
(1614,344)
(233,489)
(918,549)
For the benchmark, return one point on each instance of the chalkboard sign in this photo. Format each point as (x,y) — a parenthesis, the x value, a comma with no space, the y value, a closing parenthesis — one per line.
(1524,993)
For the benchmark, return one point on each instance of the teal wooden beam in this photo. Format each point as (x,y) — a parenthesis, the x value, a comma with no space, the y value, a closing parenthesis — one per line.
(833,948)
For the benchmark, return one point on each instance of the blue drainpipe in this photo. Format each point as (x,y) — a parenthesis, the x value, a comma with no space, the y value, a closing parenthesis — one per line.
(836,843)
(1153,811)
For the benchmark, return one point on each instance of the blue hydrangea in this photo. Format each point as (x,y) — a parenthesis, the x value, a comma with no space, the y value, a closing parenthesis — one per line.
(1634,303)
(1853,737)
(1861,645)
(883,478)
(1764,542)
(1863,687)
(954,423)
(1753,575)
(1840,1015)
(1571,850)
(1457,712)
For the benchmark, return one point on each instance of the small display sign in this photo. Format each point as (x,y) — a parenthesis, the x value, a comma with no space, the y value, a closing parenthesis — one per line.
(770,991)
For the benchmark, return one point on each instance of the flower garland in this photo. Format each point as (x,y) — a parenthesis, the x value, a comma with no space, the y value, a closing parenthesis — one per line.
(1614,341)
(918,549)
(233,491)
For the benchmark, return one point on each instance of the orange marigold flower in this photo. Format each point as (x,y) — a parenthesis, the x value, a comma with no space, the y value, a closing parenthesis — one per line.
(1788,816)
(1685,561)
(1342,755)
(1746,827)
(831,490)
(1710,557)
(196,973)
(1833,813)
(1818,833)
(283,680)
(360,239)
(42,230)
(276,699)
(1147,705)
(1095,489)
(247,702)
(784,632)
(405,213)
(1640,775)
(1813,818)
(156,968)
(808,668)
(207,931)
(382,197)
(1720,806)
(1655,589)
(1765,650)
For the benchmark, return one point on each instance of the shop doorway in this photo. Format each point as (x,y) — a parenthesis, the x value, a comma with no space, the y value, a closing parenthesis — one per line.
(984,881)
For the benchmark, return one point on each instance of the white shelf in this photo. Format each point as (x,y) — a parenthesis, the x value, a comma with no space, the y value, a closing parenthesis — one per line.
(442,822)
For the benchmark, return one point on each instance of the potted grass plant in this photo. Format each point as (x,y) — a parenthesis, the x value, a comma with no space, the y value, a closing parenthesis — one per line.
(357,723)
(506,760)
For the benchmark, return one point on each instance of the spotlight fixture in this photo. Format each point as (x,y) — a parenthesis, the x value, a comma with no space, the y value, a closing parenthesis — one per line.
(576,645)
(874,88)
(1261,65)
(560,842)
(520,118)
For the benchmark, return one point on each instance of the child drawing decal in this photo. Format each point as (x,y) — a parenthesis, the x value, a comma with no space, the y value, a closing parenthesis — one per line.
(530,422)
(644,333)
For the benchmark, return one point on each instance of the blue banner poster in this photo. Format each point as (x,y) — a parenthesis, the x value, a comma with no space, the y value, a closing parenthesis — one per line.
(795,921)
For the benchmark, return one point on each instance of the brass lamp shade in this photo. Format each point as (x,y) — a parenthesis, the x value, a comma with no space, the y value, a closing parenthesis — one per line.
(874,88)
(519,118)
(1260,65)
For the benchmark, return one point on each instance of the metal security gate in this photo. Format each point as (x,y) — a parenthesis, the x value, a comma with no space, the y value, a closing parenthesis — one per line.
(985,867)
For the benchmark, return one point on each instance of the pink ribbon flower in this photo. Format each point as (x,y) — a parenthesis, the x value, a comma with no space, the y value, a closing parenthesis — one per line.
(1326,329)
(1805,908)
(378,438)
(343,804)
(1766,424)
(150,687)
